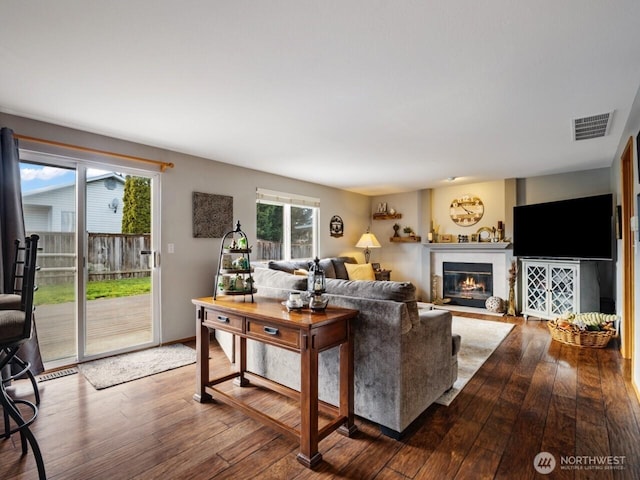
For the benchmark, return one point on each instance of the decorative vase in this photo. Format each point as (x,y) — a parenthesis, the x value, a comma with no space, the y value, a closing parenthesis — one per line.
(395,230)
(511,309)
(494,304)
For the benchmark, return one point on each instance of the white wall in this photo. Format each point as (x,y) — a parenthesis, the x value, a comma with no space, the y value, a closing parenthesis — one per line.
(189,272)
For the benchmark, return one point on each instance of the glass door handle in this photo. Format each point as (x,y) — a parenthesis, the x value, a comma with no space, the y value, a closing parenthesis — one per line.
(156,257)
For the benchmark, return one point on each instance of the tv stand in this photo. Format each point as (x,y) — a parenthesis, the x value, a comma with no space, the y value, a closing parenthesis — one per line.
(551,288)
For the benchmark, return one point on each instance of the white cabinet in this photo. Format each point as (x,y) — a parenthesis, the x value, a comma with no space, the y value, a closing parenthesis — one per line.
(551,288)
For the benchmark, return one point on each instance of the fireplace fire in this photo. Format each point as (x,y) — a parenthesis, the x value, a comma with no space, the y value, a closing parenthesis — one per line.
(468,284)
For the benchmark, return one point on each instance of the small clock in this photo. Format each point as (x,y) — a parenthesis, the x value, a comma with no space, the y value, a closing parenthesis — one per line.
(466,210)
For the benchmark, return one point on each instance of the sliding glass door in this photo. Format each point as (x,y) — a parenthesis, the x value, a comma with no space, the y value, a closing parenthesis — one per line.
(119,262)
(96,292)
(49,202)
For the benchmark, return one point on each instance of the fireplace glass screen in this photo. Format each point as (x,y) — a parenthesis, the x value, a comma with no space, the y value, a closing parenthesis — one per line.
(467,284)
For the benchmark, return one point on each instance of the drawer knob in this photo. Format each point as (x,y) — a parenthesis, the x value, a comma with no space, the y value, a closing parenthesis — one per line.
(271,330)
(223,319)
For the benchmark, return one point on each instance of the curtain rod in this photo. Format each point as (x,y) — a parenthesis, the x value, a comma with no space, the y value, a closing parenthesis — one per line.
(163,165)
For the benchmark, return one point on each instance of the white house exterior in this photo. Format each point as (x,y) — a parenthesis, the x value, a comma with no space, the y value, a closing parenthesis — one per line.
(53,209)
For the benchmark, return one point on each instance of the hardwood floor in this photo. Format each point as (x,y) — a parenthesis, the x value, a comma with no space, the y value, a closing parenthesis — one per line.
(532,395)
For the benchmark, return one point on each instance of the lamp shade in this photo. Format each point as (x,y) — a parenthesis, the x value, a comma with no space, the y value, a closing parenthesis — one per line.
(368,240)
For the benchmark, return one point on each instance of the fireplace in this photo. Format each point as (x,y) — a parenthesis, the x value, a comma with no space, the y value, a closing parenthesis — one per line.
(466,283)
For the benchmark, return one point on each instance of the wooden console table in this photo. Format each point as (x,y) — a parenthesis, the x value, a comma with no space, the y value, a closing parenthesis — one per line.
(305,332)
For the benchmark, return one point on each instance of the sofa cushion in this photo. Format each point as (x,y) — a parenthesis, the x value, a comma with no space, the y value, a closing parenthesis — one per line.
(327,265)
(284,266)
(360,271)
(338,265)
(396,291)
(276,279)
(290,266)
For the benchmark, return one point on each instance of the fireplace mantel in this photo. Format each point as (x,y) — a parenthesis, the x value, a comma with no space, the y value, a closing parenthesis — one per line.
(468,246)
(499,254)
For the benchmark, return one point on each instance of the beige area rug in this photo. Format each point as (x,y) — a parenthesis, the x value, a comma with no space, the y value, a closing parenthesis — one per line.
(479,339)
(111,371)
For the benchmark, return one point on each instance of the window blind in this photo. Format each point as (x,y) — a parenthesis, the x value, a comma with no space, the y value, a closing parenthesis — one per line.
(271,196)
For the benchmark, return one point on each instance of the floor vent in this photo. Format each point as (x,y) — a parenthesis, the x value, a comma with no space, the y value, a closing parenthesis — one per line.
(591,127)
(57,374)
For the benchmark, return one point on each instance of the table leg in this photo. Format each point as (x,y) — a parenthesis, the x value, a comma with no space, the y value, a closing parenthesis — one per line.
(347,387)
(241,361)
(202,359)
(309,455)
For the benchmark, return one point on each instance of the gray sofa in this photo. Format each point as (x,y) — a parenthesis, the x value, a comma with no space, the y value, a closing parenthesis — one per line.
(333,267)
(403,359)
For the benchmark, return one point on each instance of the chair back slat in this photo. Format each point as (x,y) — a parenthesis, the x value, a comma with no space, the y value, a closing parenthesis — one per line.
(28,282)
(17,272)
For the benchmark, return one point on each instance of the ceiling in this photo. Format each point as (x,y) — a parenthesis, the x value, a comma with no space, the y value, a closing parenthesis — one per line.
(374,97)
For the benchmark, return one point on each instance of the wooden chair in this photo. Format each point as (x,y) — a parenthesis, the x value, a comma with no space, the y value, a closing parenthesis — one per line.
(15,329)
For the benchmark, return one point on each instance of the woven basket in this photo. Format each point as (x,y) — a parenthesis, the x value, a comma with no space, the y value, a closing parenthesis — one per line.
(579,338)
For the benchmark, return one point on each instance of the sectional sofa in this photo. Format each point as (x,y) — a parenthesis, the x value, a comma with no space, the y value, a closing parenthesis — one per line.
(404,358)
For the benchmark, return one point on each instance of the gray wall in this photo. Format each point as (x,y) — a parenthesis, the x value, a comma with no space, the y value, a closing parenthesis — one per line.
(188,273)
(550,188)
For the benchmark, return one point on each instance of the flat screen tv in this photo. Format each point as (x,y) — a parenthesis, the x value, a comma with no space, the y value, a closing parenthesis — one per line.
(579,228)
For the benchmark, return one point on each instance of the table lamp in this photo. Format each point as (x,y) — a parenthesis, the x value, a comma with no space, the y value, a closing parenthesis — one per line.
(368,240)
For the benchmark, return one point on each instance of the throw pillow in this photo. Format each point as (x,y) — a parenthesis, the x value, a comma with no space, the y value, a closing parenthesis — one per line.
(360,271)
(338,265)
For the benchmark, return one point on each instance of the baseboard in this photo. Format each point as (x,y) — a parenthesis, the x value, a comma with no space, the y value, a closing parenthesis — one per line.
(183,340)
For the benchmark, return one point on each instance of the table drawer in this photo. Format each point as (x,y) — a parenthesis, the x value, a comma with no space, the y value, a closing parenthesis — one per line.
(272,333)
(223,321)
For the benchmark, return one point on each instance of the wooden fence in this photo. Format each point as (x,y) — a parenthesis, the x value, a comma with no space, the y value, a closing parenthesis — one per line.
(118,255)
(265,250)
(110,256)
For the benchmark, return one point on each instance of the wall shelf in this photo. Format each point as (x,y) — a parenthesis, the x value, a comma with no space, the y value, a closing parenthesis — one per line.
(386,216)
(477,246)
(405,239)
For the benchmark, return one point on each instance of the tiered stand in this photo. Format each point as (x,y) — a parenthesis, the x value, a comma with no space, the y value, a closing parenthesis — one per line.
(236,244)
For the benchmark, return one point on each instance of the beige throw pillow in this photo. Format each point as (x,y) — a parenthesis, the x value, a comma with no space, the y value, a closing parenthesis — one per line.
(360,271)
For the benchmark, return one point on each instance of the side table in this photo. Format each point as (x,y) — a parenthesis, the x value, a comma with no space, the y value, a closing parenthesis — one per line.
(308,333)
(383,275)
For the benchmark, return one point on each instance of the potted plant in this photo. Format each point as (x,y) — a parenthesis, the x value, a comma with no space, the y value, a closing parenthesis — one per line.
(409,231)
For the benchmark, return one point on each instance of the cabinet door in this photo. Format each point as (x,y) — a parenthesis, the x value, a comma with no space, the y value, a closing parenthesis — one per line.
(563,282)
(536,295)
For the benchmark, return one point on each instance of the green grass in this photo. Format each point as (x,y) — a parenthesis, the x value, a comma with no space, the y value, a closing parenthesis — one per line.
(51,294)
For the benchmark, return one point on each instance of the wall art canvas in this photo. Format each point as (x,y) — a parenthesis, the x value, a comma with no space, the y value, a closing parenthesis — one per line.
(212,215)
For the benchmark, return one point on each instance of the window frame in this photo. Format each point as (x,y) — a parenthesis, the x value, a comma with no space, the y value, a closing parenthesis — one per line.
(286,201)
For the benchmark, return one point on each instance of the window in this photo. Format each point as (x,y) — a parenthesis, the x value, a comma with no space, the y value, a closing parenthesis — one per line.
(287,226)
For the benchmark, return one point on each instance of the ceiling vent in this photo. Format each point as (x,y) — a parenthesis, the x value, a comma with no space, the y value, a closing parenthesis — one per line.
(591,127)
